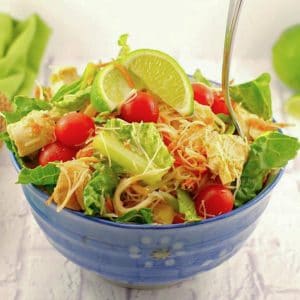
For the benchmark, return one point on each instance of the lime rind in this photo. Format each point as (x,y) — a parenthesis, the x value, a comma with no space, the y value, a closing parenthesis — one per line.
(106,95)
(163,76)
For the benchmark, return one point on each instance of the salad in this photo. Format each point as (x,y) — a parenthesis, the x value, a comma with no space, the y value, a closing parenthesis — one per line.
(136,140)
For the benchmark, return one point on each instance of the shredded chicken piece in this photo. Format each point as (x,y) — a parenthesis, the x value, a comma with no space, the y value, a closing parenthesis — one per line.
(226,155)
(73,178)
(32,132)
(254,126)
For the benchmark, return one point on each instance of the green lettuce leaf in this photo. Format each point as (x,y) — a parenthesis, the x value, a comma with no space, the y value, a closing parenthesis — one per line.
(41,175)
(11,146)
(270,151)
(102,184)
(24,105)
(142,216)
(137,147)
(187,206)
(198,76)
(255,96)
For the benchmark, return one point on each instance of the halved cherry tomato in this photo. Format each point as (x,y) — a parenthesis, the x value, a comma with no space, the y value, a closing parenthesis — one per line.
(74,128)
(55,152)
(214,200)
(178,218)
(219,106)
(142,107)
(203,94)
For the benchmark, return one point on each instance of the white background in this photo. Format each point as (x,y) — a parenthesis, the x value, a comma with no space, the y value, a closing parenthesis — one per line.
(267,267)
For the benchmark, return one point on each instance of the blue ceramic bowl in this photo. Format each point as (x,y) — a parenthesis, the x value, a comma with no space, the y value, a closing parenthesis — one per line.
(146,255)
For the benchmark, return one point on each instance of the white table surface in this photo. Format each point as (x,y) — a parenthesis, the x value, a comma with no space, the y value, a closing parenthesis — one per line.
(267,266)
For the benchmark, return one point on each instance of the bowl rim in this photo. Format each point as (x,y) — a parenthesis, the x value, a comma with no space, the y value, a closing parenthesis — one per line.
(264,193)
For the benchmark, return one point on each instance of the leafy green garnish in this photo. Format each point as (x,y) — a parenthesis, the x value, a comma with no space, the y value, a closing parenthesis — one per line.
(255,96)
(122,42)
(198,76)
(187,206)
(137,147)
(41,175)
(102,184)
(11,147)
(142,216)
(88,75)
(23,106)
(270,151)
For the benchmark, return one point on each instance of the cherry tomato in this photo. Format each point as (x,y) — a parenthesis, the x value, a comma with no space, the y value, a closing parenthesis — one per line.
(214,200)
(178,218)
(203,94)
(74,128)
(55,152)
(219,105)
(140,108)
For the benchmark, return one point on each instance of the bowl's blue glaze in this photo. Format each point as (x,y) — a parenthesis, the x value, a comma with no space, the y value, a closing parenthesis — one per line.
(146,255)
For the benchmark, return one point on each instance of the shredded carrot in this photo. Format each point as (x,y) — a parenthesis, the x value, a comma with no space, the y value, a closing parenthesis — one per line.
(125,74)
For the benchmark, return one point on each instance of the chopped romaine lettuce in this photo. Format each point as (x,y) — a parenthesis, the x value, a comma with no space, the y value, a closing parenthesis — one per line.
(142,216)
(270,151)
(23,106)
(198,76)
(255,96)
(137,147)
(187,206)
(102,184)
(46,175)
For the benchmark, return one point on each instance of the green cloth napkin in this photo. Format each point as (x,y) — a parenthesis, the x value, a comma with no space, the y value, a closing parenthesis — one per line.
(22,44)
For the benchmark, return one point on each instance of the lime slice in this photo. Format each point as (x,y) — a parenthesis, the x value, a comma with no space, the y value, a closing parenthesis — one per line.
(163,76)
(109,89)
(292,106)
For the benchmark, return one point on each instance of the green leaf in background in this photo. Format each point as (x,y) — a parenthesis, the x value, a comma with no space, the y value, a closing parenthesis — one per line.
(23,106)
(255,96)
(41,175)
(270,151)
(187,206)
(142,216)
(22,44)
(200,78)
(102,184)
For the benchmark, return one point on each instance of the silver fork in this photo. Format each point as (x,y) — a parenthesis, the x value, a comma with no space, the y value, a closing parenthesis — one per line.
(232,19)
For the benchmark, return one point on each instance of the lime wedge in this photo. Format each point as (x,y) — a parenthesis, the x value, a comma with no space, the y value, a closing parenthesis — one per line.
(163,76)
(292,106)
(109,89)
(150,69)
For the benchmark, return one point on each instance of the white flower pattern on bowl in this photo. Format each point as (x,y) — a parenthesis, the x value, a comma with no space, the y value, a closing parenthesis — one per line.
(163,251)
